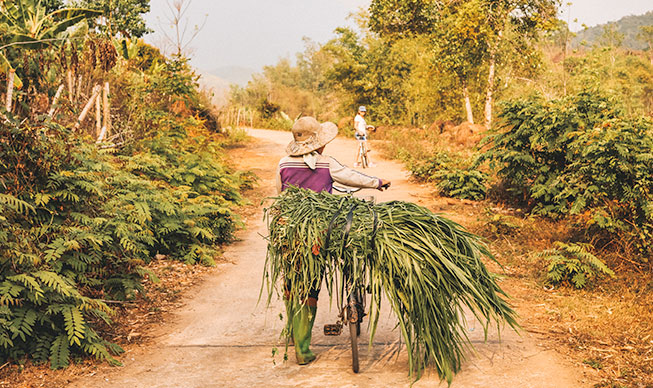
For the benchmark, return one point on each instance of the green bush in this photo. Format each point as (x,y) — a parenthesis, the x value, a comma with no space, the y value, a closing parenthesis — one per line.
(580,157)
(426,169)
(464,184)
(78,225)
(452,175)
(573,264)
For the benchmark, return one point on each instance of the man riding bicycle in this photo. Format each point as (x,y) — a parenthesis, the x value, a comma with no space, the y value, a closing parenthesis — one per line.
(306,167)
(360,128)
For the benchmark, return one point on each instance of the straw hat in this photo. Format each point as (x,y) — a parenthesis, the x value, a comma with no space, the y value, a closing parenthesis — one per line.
(310,135)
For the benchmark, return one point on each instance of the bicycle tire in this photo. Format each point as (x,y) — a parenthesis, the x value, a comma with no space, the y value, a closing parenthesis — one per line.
(353,327)
(364,160)
(361,154)
(358,297)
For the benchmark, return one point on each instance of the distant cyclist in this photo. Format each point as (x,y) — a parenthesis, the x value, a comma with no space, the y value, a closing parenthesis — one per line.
(361,128)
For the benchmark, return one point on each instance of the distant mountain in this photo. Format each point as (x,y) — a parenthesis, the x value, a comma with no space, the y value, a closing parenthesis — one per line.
(217,85)
(219,81)
(628,25)
(234,74)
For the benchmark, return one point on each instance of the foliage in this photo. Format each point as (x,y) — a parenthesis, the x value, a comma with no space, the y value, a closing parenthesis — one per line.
(453,175)
(123,17)
(573,264)
(86,224)
(427,266)
(33,24)
(426,169)
(398,18)
(579,157)
(79,221)
(627,77)
(464,184)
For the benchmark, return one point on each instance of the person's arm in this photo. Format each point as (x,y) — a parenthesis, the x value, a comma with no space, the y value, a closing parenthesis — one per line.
(352,178)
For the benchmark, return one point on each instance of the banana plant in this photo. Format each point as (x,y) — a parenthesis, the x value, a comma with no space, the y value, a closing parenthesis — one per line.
(28,24)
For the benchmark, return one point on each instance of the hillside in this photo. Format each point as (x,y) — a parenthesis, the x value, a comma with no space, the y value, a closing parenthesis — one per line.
(218,86)
(234,74)
(628,25)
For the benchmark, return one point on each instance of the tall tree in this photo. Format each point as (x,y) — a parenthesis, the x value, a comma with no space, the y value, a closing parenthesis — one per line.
(467,34)
(401,18)
(121,17)
(522,20)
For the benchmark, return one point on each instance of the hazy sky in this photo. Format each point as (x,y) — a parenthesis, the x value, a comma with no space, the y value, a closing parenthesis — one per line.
(254,33)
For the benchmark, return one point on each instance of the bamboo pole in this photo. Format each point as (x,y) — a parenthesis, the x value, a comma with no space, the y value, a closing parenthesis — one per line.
(102,134)
(87,107)
(55,100)
(238,119)
(107,108)
(10,89)
(98,118)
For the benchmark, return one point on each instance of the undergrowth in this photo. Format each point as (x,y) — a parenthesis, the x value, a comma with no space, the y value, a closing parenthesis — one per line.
(79,221)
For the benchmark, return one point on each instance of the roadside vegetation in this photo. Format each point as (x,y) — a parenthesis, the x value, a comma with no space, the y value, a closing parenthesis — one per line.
(547,146)
(110,157)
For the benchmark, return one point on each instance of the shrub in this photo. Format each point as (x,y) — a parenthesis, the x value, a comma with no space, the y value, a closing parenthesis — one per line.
(573,264)
(580,157)
(79,224)
(426,169)
(464,184)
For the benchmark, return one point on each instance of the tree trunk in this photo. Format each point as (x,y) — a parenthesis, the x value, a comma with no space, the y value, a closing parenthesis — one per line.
(490,89)
(468,103)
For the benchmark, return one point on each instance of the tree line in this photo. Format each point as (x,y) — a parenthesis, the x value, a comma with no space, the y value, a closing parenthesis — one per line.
(415,61)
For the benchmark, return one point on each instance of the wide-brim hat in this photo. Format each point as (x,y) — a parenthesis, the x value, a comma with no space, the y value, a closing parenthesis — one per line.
(309,135)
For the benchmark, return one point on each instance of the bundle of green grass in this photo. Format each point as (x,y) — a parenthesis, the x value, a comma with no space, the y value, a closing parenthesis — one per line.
(428,267)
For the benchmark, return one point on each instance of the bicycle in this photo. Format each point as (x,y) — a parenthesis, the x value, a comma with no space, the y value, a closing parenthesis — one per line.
(362,148)
(353,312)
(362,153)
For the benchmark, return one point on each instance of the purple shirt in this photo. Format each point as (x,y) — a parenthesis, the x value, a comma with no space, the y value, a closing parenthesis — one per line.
(295,171)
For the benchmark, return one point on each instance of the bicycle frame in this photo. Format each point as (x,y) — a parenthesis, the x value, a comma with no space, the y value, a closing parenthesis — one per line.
(362,153)
(353,312)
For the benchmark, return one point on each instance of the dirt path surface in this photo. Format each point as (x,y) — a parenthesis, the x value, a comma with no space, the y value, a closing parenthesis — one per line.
(222,338)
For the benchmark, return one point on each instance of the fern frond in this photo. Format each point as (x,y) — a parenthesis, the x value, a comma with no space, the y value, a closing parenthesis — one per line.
(59,352)
(75,324)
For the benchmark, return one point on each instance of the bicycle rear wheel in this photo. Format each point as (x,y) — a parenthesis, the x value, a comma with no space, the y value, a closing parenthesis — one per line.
(364,160)
(354,329)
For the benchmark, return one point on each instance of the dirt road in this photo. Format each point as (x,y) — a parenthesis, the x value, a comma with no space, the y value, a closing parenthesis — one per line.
(222,338)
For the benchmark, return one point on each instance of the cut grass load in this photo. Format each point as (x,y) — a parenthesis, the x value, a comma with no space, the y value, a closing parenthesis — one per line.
(428,267)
